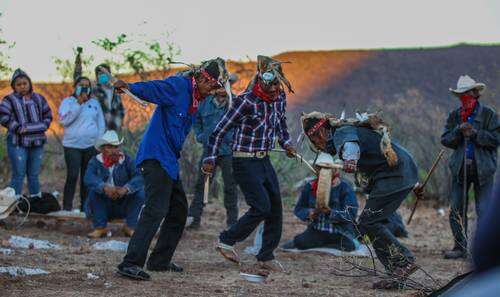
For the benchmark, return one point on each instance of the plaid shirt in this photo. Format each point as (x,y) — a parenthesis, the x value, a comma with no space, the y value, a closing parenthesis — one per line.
(113,109)
(26,120)
(257,125)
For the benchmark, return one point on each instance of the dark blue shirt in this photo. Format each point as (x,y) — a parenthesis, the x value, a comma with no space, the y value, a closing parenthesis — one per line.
(170,123)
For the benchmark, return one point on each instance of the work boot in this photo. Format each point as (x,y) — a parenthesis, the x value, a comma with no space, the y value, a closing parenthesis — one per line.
(127,230)
(455,253)
(98,233)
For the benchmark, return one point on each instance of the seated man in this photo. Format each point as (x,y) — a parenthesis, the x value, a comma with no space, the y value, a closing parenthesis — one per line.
(116,188)
(331,227)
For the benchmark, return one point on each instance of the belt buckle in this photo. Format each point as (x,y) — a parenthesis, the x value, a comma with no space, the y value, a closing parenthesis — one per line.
(260,154)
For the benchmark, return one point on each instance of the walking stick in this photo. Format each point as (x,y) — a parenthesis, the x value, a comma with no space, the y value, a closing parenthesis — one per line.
(126,91)
(206,189)
(464,194)
(431,171)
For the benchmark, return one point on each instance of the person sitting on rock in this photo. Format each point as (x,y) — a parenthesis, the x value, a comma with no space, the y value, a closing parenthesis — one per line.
(331,227)
(116,188)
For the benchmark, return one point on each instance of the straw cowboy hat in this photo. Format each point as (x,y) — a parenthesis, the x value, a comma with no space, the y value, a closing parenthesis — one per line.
(110,138)
(8,202)
(466,83)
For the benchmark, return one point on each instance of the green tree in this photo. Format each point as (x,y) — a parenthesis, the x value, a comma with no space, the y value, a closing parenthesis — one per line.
(5,46)
(66,67)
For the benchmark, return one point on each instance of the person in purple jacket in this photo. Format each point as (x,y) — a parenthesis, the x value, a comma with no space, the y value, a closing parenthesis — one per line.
(177,99)
(27,116)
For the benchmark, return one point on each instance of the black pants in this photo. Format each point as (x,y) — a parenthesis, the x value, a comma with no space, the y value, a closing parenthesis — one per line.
(459,203)
(76,164)
(372,220)
(259,184)
(312,238)
(230,197)
(165,200)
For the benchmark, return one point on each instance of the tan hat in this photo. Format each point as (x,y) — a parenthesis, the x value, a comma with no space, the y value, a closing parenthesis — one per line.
(110,137)
(466,83)
(8,202)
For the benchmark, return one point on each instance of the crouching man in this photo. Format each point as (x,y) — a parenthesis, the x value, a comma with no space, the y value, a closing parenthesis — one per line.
(116,188)
(331,227)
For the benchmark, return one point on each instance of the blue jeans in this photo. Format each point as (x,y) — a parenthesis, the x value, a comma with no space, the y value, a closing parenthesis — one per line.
(103,209)
(24,161)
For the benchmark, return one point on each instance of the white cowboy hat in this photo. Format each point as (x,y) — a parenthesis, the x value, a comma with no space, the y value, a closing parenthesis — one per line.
(325,159)
(466,83)
(8,202)
(110,137)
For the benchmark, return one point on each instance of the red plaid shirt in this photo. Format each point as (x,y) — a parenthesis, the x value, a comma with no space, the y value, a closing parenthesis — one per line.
(257,125)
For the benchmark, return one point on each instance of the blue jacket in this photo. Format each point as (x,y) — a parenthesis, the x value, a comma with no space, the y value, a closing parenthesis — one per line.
(383,180)
(343,205)
(485,142)
(170,123)
(206,119)
(125,174)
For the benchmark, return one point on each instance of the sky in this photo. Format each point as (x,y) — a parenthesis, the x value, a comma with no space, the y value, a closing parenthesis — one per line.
(43,29)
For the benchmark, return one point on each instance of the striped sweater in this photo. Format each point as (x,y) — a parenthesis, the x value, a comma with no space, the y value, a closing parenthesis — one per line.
(26,120)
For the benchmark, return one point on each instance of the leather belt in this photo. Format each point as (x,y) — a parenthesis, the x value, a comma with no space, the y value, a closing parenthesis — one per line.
(259,154)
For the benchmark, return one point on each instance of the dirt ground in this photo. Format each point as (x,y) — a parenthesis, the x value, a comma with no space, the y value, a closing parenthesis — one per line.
(206,272)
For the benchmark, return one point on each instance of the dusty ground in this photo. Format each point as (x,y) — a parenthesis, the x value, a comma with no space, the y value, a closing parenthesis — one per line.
(207,274)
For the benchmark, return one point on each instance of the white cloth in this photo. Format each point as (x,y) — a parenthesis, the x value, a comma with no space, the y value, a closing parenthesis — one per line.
(83,124)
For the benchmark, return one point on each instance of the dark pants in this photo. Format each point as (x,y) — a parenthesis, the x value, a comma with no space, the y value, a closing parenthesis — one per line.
(76,164)
(458,202)
(259,184)
(312,238)
(103,209)
(165,200)
(372,221)
(230,197)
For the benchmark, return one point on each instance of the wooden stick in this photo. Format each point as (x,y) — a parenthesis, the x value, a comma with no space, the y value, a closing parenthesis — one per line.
(126,91)
(431,171)
(301,159)
(206,189)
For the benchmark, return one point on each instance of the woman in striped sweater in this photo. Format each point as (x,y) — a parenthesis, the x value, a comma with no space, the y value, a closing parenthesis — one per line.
(27,116)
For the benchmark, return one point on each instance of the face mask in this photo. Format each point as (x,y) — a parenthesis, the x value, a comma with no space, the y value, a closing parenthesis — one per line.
(82,90)
(103,79)
(268,77)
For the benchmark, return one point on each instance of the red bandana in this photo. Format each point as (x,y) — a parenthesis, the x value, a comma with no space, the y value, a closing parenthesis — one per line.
(196,97)
(468,104)
(316,127)
(314,184)
(110,160)
(259,92)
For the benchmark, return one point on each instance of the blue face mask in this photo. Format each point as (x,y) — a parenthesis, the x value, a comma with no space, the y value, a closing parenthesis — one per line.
(103,79)
(79,90)
(268,77)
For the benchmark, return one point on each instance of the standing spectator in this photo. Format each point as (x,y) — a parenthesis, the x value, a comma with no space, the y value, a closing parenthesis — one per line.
(83,122)
(472,131)
(111,101)
(209,113)
(27,116)
(116,187)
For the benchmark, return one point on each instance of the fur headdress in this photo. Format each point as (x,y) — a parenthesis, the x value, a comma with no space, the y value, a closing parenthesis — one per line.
(372,121)
(267,64)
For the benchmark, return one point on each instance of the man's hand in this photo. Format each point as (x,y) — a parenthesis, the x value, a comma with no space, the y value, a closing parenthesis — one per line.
(313,214)
(120,85)
(121,191)
(290,151)
(467,129)
(419,191)
(350,166)
(208,167)
(325,210)
(111,192)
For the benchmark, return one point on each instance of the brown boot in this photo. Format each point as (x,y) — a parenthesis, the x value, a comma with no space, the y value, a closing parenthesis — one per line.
(272,266)
(128,231)
(98,233)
